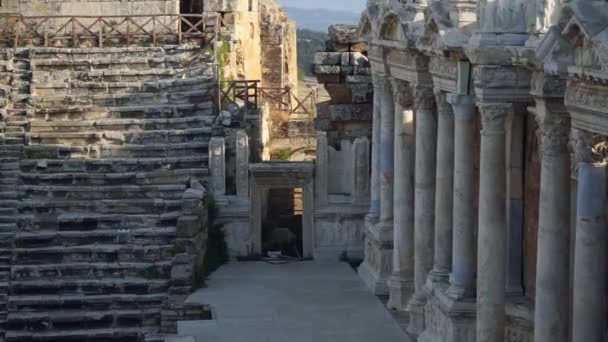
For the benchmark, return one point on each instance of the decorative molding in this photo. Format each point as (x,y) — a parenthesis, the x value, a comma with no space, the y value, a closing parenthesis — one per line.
(402,93)
(444,108)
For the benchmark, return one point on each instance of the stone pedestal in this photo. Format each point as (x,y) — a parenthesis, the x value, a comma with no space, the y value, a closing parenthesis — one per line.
(424,211)
(447,319)
(491,247)
(590,278)
(401,282)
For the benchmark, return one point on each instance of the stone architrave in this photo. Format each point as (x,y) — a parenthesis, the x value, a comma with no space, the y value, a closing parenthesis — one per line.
(242,164)
(491,254)
(401,282)
(552,275)
(444,191)
(360,186)
(590,279)
(321,170)
(424,207)
(217,165)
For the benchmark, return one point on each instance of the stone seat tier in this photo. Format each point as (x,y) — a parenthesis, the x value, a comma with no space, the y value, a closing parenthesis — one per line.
(152,74)
(92,253)
(52,52)
(81,301)
(138,236)
(126,99)
(121,137)
(129,112)
(120,166)
(90,270)
(79,63)
(170,176)
(101,192)
(140,125)
(90,221)
(116,206)
(88,335)
(106,286)
(77,320)
(115,151)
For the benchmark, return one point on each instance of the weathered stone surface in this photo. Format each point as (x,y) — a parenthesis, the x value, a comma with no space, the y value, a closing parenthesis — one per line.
(344,34)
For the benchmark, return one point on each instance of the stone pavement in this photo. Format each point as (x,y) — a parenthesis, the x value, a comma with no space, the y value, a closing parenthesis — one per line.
(295,302)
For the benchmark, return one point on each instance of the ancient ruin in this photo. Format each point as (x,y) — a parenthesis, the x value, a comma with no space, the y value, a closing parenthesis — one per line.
(460,156)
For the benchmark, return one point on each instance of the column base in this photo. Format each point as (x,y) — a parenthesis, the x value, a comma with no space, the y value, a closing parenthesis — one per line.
(377,265)
(415,310)
(447,319)
(437,277)
(400,290)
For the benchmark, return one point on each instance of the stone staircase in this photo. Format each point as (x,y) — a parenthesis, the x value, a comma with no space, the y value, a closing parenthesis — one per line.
(105,143)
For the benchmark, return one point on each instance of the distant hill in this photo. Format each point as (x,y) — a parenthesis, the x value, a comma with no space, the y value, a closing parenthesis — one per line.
(309,43)
(320,19)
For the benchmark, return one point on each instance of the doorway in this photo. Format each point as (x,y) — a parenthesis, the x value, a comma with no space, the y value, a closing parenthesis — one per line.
(282,223)
(191,7)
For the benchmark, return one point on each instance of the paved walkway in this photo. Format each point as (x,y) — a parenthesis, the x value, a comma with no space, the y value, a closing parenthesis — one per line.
(295,302)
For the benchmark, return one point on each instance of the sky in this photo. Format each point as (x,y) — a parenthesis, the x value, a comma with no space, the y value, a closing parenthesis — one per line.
(340,5)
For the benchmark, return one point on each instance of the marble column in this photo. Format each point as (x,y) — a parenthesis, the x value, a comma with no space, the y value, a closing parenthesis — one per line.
(387,136)
(374,205)
(444,191)
(590,278)
(424,207)
(462,277)
(551,319)
(217,165)
(401,282)
(321,165)
(242,164)
(360,185)
(491,254)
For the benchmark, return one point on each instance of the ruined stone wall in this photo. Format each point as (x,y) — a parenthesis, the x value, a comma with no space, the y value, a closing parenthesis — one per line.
(92,7)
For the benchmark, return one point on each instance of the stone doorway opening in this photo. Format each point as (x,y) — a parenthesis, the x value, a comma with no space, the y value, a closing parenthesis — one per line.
(282,223)
(191,6)
(281,208)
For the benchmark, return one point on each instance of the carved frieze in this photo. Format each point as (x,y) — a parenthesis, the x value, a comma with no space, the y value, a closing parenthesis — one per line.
(443,67)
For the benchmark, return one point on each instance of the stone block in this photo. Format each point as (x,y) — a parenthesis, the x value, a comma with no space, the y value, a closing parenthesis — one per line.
(327,69)
(351,112)
(358,59)
(358,47)
(362,92)
(328,79)
(344,34)
(345,59)
(328,58)
(188,226)
(331,45)
(339,93)
(358,79)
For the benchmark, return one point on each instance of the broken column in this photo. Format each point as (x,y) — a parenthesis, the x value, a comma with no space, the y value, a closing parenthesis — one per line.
(217,165)
(242,164)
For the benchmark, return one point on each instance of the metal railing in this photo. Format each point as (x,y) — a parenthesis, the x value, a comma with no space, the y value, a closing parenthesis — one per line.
(110,30)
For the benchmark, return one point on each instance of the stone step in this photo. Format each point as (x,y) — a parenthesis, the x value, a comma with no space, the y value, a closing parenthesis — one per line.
(139,236)
(180,176)
(38,303)
(121,125)
(115,165)
(93,193)
(92,253)
(95,221)
(9,219)
(91,270)
(106,286)
(116,100)
(42,53)
(88,335)
(123,206)
(84,113)
(150,74)
(115,151)
(121,137)
(78,319)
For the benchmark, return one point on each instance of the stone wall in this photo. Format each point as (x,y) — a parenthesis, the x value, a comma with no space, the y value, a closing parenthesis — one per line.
(91,7)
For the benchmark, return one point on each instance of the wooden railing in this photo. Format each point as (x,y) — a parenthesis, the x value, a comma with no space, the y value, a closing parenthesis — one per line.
(246,91)
(106,31)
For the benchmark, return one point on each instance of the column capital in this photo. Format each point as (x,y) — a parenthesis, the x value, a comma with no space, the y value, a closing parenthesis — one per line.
(443,106)
(424,98)
(463,105)
(554,133)
(380,82)
(588,147)
(493,115)
(402,93)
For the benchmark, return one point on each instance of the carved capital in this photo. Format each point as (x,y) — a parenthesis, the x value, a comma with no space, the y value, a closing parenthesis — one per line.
(424,98)
(402,93)
(379,82)
(588,147)
(554,133)
(444,108)
(463,105)
(493,116)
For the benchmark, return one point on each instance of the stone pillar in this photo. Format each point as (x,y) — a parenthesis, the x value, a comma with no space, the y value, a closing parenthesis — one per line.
(321,169)
(424,207)
(242,164)
(217,165)
(491,254)
(551,318)
(387,135)
(401,282)
(462,277)
(444,191)
(374,205)
(590,278)
(360,186)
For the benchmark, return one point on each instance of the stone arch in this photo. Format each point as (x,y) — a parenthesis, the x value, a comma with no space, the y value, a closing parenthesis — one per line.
(391,28)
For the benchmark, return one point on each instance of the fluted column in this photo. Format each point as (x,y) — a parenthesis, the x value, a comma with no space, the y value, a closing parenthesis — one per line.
(444,190)
(552,271)
(401,282)
(462,277)
(491,253)
(374,205)
(590,279)
(424,207)
(387,135)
